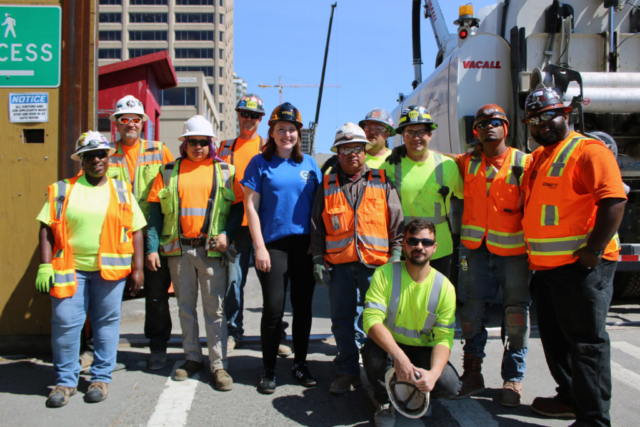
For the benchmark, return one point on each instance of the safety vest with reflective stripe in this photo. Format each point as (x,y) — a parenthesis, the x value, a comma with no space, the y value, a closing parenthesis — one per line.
(170,203)
(228,149)
(557,221)
(493,215)
(116,239)
(147,167)
(359,231)
(403,323)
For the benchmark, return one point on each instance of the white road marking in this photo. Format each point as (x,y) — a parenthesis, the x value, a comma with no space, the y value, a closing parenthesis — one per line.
(625,376)
(469,412)
(175,402)
(630,349)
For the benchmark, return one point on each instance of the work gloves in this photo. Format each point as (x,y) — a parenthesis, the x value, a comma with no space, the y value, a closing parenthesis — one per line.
(397,154)
(395,256)
(229,256)
(320,271)
(44,280)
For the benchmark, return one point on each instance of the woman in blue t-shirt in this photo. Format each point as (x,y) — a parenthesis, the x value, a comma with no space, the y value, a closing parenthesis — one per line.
(279,187)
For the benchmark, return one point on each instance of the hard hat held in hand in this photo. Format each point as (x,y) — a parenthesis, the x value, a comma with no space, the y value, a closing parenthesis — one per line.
(350,133)
(129,105)
(286,113)
(91,141)
(381,116)
(197,125)
(406,397)
(415,114)
(542,100)
(251,102)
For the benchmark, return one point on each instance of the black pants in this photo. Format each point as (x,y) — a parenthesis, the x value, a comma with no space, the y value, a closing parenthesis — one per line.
(157,319)
(572,303)
(377,362)
(443,265)
(289,260)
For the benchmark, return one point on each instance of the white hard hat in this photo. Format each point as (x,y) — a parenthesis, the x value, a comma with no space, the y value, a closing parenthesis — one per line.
(197,125)
(91,141)
(406,397)
(349,133)
(129,105)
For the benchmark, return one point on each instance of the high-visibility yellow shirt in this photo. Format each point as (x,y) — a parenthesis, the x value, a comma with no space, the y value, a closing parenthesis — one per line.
(412,307)
(86,211)
(419,192)
(376,162)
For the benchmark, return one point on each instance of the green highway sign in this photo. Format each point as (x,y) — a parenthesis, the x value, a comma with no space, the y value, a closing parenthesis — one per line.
(30,46)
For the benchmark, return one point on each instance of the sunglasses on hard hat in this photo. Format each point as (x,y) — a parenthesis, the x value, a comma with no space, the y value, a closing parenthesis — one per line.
(127,120)
(101,154)
(426,243)
(543,117)
(348,150)
(195,142)
(250,115)
(493,122)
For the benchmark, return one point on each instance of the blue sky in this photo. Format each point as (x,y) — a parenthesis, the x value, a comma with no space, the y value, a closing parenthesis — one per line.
(370,55)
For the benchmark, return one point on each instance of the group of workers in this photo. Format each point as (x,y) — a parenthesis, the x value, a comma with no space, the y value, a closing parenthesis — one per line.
(373,226)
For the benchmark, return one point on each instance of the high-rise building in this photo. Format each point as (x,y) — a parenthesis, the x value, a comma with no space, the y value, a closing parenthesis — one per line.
(241,90)
(197,33)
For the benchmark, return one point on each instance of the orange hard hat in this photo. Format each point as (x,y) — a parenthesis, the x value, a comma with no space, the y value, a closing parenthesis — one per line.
(490,111)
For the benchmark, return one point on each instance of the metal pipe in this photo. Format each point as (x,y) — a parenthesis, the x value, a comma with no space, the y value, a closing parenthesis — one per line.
(601,79)
(607,100)
(324,64)
(417,56)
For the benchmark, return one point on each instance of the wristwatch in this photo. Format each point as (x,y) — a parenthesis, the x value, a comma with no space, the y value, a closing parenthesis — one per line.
(594,252)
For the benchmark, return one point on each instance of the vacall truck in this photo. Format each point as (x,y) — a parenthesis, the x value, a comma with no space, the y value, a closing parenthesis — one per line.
(587,48)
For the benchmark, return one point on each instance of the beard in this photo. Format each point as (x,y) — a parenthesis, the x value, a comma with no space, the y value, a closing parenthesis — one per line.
(132,134)
(418,262)
(554,136)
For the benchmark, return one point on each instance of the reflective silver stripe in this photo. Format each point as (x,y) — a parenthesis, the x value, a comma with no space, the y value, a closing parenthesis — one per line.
(549,215)
(518,160)
(394,300)
(409,333)
(332,189)
(170,247)
(117,159)
(472,233)
(193,211)
(64,278)
(432,305)
(169,167)
(331,244)
(440,325)
(226,149)
(515,239)
(116,261)
(376,181)
(369,241)
(437,158)
(490,172)
(436,220)
(557,246)
(226,175)
(376,305)
(557,167)
(474,165)
(121,189)
(62,193)
(397,172)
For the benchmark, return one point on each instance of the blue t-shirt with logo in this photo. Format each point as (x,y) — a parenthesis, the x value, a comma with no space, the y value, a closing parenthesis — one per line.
(287,190)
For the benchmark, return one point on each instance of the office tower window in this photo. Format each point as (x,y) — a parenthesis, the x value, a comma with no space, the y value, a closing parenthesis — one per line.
(150,2)
(195,17)
(195,2)
(221,18)
(194,53)
(221,36)
(220,53)
(134,53)
(221,3)
(220,89)
(107,36)
(211,88)
(220,71)
(194,35)
(110,17)
(110,53)
(110,1)
(208,71)
(220,107)
(180,96)
(147,35)
(147,18)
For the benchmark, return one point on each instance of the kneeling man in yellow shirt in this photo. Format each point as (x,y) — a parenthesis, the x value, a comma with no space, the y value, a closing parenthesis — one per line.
(410,317)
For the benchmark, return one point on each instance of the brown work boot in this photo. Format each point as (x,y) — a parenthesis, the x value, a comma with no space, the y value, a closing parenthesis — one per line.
(552,407)
(344,383)
(60,395)
(511,394)
(472,379)
(222,381)
(187,370)
(98,391)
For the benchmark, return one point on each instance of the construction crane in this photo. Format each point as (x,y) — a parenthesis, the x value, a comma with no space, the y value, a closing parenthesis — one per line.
(280,85)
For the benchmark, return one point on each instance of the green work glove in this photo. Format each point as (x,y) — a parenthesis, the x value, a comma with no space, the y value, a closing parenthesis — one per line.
(395,256)
(320,271)
(44,280)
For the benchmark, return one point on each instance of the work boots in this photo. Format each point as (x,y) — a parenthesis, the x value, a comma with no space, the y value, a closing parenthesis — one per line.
(472,379)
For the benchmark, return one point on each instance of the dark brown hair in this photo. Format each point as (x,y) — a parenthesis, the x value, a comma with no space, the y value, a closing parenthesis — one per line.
(271,148)
(418,225)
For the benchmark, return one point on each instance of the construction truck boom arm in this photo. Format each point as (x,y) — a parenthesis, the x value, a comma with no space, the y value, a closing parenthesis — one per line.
(440,30)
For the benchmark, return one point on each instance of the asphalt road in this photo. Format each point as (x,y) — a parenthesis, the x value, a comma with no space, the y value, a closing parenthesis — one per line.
(138,397)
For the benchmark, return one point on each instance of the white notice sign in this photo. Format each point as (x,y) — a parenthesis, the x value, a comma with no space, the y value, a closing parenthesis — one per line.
(28,107)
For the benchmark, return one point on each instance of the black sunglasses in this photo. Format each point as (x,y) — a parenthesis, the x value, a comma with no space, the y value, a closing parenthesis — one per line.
(101,154)
(200,142)
(493,122)
(426,243)
(250,115)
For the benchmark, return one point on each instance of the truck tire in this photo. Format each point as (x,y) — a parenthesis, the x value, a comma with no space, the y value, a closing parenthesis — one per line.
(606,139)
(626,284)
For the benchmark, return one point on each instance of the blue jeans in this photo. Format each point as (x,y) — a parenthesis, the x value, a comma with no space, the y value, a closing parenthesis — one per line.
(234,300)
(102,299)
(488,273)
(347,290)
